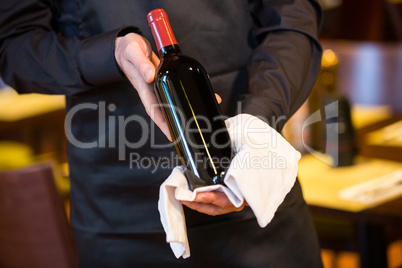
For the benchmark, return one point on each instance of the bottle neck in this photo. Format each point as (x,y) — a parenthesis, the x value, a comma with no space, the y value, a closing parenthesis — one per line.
(168,51)
(162,32)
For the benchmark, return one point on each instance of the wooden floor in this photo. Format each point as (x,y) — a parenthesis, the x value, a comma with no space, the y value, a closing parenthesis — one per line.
(345,259)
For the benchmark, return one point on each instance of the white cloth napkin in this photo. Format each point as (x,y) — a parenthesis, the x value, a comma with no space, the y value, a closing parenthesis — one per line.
(262,172)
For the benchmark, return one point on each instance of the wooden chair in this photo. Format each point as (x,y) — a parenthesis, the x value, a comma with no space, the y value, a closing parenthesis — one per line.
(34,231)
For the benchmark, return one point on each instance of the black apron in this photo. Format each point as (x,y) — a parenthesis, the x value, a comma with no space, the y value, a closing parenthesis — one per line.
(115,190)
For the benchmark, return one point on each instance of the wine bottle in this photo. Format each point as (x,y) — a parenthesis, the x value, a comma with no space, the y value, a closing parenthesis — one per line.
(190,108)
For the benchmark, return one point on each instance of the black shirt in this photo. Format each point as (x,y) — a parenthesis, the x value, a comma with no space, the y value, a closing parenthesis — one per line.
(262,57)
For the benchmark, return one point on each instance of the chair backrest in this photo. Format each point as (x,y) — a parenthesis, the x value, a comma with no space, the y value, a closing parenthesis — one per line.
(34,231)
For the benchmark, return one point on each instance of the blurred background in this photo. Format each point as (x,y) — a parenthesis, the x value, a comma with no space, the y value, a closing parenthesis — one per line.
(370,20)
(349,132)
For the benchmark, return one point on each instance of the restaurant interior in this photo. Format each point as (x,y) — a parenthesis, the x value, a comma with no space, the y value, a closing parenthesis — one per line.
(349,132)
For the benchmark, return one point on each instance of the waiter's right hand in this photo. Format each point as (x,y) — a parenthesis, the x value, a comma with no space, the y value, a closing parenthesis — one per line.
(136,59)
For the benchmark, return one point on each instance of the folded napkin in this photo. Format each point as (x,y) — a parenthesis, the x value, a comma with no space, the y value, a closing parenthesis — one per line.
(262,172)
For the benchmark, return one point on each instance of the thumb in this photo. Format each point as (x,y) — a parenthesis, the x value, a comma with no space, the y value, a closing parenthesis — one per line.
(145,67)
(148,74)
(144,63)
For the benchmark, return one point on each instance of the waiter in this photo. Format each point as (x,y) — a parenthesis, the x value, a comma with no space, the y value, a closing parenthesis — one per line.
(262,58)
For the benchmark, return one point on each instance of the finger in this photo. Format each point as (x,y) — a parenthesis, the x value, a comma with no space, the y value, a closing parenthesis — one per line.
(216,198)
(209,209)
(149,100)
(141,61)
(155,60)
(152,107)
(159,119)
(145,68)
(218,98)
(133,49)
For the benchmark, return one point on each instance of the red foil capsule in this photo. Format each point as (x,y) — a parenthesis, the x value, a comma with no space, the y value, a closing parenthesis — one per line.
(159,23)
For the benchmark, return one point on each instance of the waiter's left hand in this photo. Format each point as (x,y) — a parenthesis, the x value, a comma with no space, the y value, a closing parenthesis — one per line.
(212,203)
